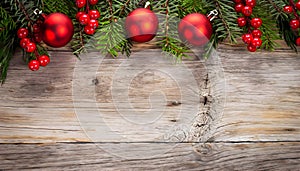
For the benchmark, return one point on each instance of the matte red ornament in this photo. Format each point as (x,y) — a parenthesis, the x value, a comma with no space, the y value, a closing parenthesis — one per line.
(298,41)
(195,28)
(57,30)
(141,25)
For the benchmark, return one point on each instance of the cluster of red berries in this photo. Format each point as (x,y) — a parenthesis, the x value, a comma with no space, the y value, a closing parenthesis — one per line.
(294,23)
(253,37)
(88,18)
(29,45)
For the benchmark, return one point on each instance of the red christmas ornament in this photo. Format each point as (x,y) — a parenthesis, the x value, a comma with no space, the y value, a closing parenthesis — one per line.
(141,25)
(57,30)
(195,28)
(298,41)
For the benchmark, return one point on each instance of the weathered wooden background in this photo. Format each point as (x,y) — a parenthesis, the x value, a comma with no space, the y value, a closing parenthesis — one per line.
(248,114)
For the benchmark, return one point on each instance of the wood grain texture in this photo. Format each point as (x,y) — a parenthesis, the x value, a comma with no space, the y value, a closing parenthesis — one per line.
(247,113)
(182,156)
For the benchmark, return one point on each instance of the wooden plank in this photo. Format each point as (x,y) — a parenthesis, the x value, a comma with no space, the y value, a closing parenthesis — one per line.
(262,99)
(165,156)
(262,96)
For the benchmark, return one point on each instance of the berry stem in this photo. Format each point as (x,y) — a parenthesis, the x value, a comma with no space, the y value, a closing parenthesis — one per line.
(36,54)
(292,3)
(87,7)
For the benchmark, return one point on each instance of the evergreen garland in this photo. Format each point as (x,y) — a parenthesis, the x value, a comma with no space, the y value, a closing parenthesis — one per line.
(110,38)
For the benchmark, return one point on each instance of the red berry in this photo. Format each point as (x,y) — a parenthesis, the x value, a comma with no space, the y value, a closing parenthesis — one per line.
(251,48)
(79,14)
(93,2)
(237,1)
(93,23)
(37,37)
(84,19)
(256,42)
(288,9)
(36,28)
(24,42)
(294,24)
(30,47)
(239,7)
(298,41)
(297,5)
(241,21)
(250,3)
(247,11)
(22,33)
(89,30)
(256,22)
(256,33)
(247,38)
(44,60)
(94,14)
(80,3)
(34,65)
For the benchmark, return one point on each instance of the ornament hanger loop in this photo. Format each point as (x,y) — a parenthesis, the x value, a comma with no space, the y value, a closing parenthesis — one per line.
(147,4)
(37,11)
(212,14)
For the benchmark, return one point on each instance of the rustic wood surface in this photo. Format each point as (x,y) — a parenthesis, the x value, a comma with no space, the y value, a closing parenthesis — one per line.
(246,115)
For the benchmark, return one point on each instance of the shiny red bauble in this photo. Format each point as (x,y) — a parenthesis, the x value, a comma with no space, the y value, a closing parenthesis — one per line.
(44,60)
(288,9)
(141,25)
(195,29)
(22,33)
(241,21)
(294,24)
(34,65)
(256,22)
(298,41)
(57,30)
